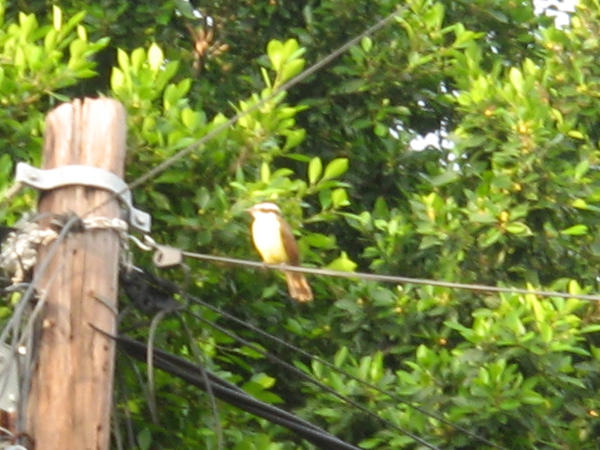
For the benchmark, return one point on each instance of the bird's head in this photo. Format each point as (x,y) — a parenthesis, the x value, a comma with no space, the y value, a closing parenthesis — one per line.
(264,208)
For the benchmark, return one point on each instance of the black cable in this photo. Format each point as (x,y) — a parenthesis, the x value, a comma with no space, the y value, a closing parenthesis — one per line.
(148,293)
(163,290)
(191,298)
(230,393)
(271,357)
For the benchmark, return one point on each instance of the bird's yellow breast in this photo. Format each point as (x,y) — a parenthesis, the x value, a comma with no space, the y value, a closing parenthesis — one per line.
(266,233)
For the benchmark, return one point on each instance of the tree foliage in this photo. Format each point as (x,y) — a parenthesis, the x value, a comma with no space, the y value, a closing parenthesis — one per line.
(508,196)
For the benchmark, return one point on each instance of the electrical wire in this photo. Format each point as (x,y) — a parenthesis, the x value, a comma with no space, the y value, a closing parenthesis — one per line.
(156,170)
(388,278)
(149,364)
(238,321)
(184,152)
(364,276)
(230,393)
(274,359)
(190,298)
(326,272)
(12,325)
(285,86)
(291,368)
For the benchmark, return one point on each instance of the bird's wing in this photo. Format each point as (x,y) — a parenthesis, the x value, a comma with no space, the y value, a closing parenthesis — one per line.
(289,242)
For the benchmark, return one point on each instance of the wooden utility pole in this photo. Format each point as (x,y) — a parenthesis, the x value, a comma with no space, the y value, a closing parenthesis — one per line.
(69,403)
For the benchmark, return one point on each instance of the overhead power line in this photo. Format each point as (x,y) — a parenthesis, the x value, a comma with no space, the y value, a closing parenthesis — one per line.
(156,170)
(389,278)
(160,294)
(285,86)
(289,367)
(230,393)
(332,366)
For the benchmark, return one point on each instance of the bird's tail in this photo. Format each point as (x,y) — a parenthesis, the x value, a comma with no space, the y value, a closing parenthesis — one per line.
(298,287)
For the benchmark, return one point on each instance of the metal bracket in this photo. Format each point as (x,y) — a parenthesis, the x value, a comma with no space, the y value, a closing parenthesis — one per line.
(84,176)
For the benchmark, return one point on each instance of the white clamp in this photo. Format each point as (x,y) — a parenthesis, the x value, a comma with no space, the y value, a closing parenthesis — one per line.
(84,176)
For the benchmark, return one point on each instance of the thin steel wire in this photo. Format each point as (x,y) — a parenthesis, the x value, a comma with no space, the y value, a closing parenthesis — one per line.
(285,86)
(156,170)
(388,278)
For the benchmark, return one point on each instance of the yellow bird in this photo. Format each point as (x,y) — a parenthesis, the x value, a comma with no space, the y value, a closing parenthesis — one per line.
(274,241)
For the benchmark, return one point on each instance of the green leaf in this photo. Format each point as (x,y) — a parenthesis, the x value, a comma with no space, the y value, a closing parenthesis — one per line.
(377,368)
(167,72)
(340,356)
(516,78)
(291,69)
(335,168)
(50,40)
(250,352)
(138,57)
(275,53)
(123,60)
(366,43)
(319,240)
(291,49)
(434,16)
(81,33)
(490,237)
(445,178)
(186,9)
(293,138)
(315,168)
(576,134)
(581,169)
(265,172)
(518,228)
(144,439)
(342,263)
(155,57)
(325,198)
(28,24)
(594,328)
(371,443)
(339,198)
(76,49)
(189,118)
(264,380)
(380,129)
(56,17)
(510,404)
(5,169)
(575,230)
(117,80)
(72,23)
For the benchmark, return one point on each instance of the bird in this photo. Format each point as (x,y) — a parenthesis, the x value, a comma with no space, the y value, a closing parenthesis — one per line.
(275,243)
